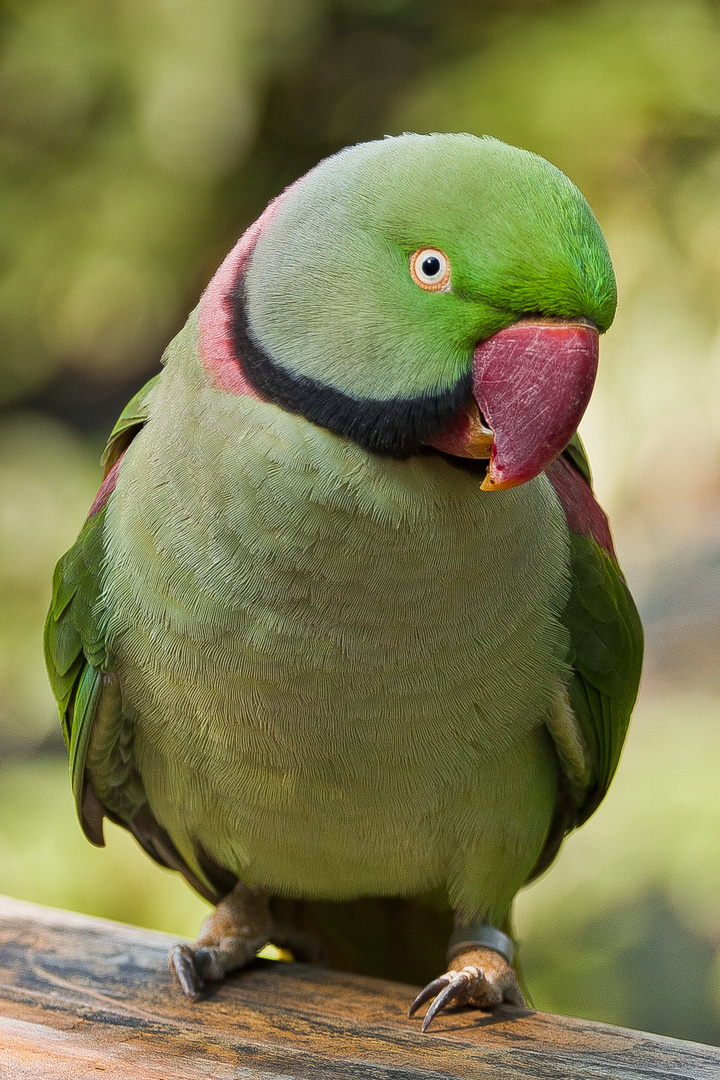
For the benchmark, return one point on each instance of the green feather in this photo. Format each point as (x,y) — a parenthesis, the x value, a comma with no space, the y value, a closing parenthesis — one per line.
(75,648)
(71,631)
(606,651)
(575,452)
(519,236)
(89,686)
(129,423)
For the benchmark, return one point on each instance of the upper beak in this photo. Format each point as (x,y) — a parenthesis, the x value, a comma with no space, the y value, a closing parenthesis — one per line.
(531,384)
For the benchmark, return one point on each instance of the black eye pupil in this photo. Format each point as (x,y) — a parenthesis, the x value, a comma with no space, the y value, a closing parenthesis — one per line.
(431,266)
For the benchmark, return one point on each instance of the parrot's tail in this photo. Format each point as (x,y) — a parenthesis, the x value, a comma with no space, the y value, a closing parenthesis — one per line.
(387,937)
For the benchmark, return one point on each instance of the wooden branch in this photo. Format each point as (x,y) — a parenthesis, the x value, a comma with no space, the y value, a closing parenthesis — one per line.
(82,997)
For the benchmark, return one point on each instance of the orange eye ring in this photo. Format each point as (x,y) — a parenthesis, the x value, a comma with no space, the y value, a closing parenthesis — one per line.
(430,269)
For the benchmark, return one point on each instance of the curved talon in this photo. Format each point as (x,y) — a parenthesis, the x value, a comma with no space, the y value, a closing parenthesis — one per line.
(451,991)
(184,966)
(481,977)
(430,991)
(450,986)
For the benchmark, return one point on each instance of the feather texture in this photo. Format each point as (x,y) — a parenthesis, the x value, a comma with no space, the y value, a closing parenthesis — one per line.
(275,590)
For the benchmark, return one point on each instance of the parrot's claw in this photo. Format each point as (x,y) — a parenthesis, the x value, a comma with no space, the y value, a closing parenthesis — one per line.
(480,977)
(446,988)
(188,967)
(230,937)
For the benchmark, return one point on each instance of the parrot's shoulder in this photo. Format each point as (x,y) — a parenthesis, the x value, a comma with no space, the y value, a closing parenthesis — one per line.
(129,423)
(605,632)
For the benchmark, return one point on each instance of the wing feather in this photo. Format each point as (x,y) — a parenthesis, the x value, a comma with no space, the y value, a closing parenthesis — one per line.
(97,733)
(606,637)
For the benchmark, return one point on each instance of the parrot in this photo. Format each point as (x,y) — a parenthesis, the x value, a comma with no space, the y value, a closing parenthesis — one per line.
(344,638)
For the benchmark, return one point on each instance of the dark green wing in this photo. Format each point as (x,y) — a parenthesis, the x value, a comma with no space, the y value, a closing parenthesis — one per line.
(606,637)
(97,733)
(75,652)
(75,649)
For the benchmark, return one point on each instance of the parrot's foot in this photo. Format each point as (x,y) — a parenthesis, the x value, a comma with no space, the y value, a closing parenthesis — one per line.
(230,937)
(480,977)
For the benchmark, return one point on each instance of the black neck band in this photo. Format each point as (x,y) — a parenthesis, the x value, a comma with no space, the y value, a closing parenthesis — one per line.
(394,426)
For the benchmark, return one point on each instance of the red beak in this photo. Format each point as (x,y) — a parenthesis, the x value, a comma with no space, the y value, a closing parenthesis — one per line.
(532,382)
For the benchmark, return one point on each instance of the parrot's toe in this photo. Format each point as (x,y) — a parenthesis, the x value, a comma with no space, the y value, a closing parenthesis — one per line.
(479,977)
(230,937)
(188,967)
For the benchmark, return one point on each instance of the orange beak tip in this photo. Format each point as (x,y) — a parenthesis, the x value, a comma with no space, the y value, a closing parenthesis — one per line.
(491,483)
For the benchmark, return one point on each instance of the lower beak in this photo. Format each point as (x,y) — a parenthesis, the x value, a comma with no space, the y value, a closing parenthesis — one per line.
(466,436)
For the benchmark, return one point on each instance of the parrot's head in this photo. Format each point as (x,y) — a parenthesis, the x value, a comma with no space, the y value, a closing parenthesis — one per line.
(427,290)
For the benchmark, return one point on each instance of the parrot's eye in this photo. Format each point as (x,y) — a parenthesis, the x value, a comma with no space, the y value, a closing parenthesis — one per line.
(430,269)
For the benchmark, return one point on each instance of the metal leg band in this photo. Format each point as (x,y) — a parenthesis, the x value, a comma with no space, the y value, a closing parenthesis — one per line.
(468,937)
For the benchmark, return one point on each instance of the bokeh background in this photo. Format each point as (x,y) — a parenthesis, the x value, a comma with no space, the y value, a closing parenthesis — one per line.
(137,139)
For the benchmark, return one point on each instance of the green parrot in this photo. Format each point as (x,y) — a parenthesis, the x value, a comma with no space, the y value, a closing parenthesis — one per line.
(344,638)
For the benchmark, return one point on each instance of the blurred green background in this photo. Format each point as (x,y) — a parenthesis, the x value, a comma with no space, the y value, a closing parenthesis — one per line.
(137,139)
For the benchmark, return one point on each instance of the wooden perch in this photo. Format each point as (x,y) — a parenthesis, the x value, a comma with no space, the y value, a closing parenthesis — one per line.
(82,997)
